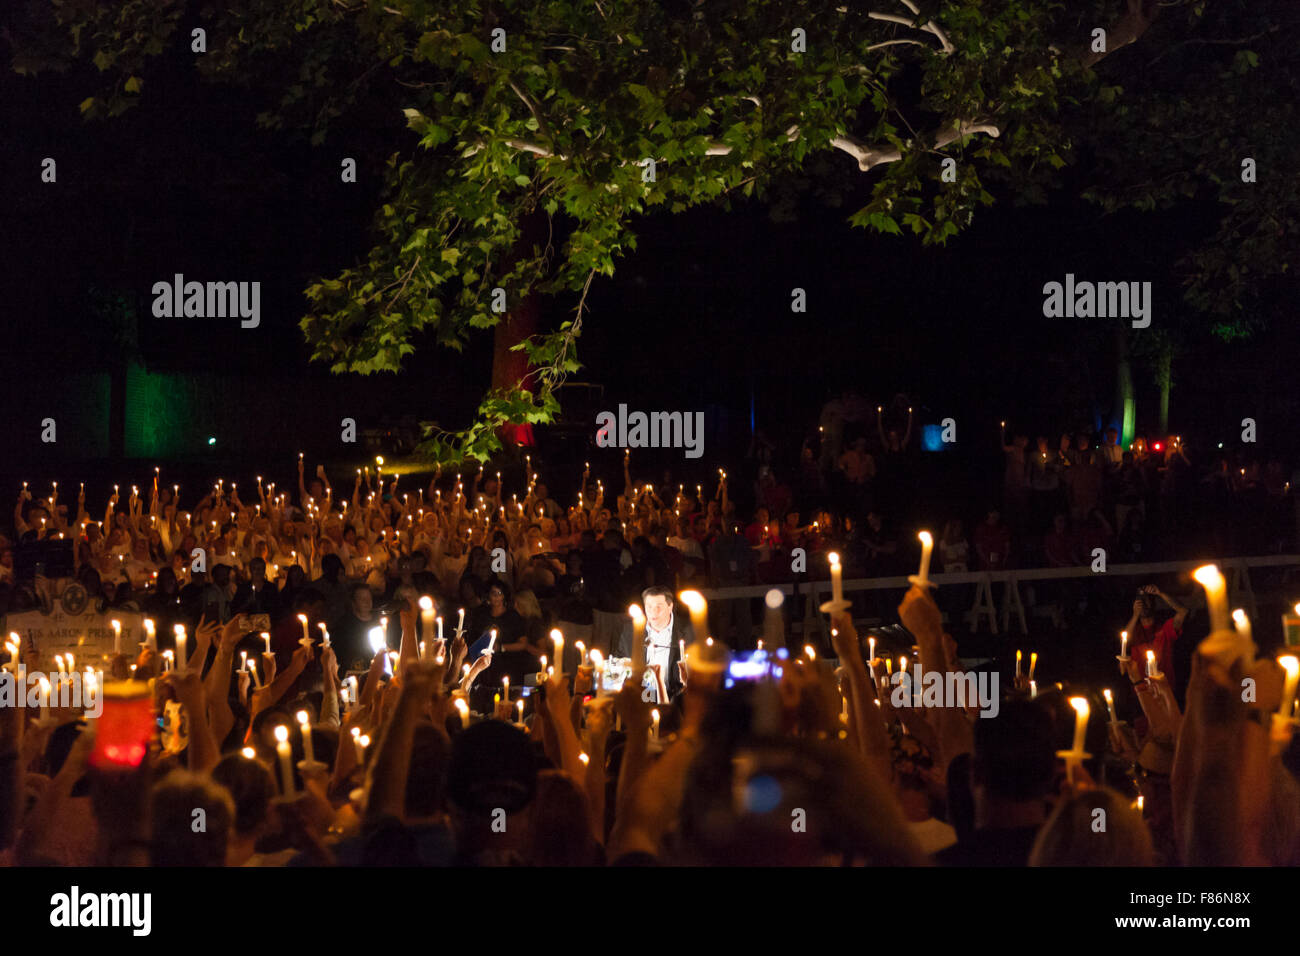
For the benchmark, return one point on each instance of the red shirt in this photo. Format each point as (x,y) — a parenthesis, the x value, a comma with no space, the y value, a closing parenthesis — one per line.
(1161,640)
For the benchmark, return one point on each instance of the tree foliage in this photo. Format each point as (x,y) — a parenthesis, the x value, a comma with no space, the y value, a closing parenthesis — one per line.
(555,108)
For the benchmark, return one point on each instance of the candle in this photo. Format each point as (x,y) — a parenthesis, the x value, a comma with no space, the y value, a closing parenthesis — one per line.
(927,546)
(117,636)
(1033,662)
(393,660)
(460,622)
(426,616)
(1153,670)
(357,750)
(169,661)
(304,724)
(520,704)
(1140,802)
(1291,664)
(654,727)
(286,759)
(181,656)
(1081,711)
(306,635)
(440,637)
(249,753)
(871,649)
(325,634)
(243,661)
(1216,595)
(45,698)
(462,709)
(837,578)
(252,669)
(1033,689)
(149,638)
(267,638)
(1242,623)
(810,652)
(1123,645)
(58,660)
(581,648)
(698,608)
(1017,662)
(492,640)
(557,638)
(638,637)
(505,689)
(1110,704)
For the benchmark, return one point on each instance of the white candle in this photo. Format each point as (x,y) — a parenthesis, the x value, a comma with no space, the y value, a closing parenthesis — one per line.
(871,649)
(654,727)
(440,637)
(927,546)
(286,759)
(306,635)
(1123,645)
(325,634)
(1033,662)
(267,638)
(557,638)
(181,641)
(1033,689)
(1242,622)
(357,749)
(492,640)
(169,661)
(460,622)
(505,689)
(117,636)
(149,637)
(1153,670)
(1110,704)
(1291,664)
(393,661)
(1216,595)
(638,637)
(45,698)
(304,724)
(1081,711)
(698,608)
(1017,663)
(243,661)
(462,709)
(426,617)
(837,577)
(520,705)
(252,670)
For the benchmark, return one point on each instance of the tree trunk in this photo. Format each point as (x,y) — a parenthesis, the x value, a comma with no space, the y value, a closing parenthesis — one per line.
(1164,376)
(1125,404)
(509,367)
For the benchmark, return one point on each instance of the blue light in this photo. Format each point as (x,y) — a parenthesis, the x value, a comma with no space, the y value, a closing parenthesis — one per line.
(212,441)
(932,437)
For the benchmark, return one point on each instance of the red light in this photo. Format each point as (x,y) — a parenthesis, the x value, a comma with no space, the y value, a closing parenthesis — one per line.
(1157,446)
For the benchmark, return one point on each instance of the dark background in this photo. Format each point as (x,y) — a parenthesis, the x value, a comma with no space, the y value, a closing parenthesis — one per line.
(697,318)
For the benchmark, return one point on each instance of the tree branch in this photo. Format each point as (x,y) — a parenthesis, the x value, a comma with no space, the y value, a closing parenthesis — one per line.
(1131,26)
(930,27)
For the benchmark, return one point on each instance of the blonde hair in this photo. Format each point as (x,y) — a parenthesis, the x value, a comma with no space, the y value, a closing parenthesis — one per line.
(1077,835)
(526,604)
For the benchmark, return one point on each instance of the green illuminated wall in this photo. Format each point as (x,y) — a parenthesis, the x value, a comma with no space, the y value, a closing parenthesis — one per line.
(160,414)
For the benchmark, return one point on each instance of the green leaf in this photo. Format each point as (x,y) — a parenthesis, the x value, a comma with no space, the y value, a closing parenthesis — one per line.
(133,84)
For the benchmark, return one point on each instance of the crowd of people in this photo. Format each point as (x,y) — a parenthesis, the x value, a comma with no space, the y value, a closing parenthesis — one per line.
(486,742)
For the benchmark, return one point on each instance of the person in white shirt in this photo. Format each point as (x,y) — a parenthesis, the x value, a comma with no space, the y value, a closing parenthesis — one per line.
(666,634)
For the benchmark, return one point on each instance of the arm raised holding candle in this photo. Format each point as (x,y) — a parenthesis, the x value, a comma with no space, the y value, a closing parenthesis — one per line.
(390,767)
